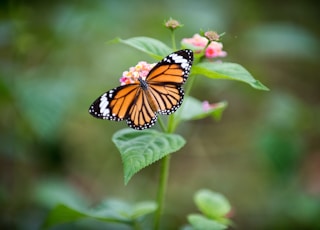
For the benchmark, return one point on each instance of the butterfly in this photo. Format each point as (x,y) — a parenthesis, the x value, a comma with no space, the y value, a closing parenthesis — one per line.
(139,103)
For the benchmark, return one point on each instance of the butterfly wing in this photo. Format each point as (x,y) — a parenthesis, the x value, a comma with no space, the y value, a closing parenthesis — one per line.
(139,105)
(142,114)
(125,102)
(165,80)
(115,104)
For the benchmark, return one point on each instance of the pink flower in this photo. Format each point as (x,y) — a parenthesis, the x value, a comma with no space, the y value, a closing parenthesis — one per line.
(199,43)
(215,50)
(206,106)
(141,70)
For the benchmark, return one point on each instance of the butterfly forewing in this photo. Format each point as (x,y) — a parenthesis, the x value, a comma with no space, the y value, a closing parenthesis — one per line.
(175,68)
(114,104)
(139,103)
(165,74)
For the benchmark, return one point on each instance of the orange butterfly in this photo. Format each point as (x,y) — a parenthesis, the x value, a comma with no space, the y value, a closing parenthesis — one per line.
(138,103)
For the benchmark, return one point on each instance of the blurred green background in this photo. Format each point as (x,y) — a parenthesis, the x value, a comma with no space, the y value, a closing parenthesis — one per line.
(264,155)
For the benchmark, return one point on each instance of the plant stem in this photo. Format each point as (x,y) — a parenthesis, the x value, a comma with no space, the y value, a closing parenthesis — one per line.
(162,126)
(171,121)
(191,80)
(163,180)
(165,162)
(173,40)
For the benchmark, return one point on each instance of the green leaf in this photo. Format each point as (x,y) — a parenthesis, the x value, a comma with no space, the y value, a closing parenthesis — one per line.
(151,46)
(143,208)
(125,210)
(110,211)
(230,71)
(139,149)
(116,207)
(63,214)
(200,222)
(213,205)
(193,109)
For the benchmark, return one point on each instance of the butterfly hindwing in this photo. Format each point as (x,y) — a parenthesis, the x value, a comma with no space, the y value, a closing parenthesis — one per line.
(142,115)
(169,97)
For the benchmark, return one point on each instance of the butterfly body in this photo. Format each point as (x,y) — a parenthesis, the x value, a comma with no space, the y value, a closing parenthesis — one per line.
(138,103)
(143,84)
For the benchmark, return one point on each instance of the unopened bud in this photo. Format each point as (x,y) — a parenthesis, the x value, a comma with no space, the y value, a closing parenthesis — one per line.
(173,24)
(212,36)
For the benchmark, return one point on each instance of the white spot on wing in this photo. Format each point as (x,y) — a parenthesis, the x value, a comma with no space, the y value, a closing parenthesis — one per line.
(180,59)
(105,112)
(103,104)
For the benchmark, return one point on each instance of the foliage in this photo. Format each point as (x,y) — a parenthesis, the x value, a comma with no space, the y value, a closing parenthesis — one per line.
(53,62)
(214,207)
(139,149)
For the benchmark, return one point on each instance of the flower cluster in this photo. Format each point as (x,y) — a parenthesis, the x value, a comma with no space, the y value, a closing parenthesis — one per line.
(141,70)
(199,43)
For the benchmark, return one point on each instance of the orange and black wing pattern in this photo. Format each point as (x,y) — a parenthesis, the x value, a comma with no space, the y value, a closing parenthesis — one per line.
(165,80)
(161,92)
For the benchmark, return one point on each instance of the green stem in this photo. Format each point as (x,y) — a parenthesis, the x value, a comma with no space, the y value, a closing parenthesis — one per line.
(173,40)
(162,126)
(165,162)
(163,181)
(191,80)
(171,126)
